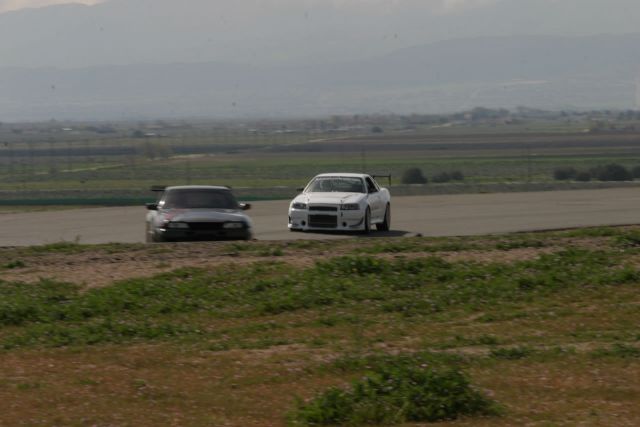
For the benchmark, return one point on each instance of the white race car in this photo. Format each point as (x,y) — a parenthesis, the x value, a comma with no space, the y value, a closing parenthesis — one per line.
(342,202)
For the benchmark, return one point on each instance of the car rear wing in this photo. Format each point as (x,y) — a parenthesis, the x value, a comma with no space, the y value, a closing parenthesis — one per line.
(383,176)
(158,188)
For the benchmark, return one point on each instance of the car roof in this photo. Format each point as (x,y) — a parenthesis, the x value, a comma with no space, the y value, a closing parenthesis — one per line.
(346,175)
(198,187)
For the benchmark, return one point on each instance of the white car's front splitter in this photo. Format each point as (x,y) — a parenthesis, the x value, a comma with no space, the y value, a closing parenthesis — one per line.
(343,221)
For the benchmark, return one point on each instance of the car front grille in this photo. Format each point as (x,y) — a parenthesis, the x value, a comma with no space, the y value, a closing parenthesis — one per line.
(323,208)
(323,221)
(206,226)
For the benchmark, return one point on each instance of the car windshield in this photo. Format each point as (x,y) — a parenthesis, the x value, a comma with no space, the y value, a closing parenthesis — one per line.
(336,185)
(199,199)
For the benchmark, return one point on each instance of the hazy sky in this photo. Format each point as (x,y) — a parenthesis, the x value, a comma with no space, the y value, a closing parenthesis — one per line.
(7,5)
(258,32)
(104,58)
(437,6)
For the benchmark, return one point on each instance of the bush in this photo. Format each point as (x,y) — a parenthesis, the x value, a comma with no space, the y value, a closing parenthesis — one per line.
(442,177)
(583,176)
(413,176)
(396,393)
(565,174)
(457,176)
(635,172)
(612,172)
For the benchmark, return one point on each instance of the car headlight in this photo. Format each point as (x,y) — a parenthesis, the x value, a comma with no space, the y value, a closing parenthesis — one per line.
(301,206)
(181,225)
(233,225)
(350,207)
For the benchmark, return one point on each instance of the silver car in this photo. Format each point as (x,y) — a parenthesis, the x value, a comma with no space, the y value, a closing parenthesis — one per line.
(197,212)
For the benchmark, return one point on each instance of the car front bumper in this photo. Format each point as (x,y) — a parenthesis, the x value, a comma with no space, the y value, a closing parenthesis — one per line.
(305,220)
(185,235)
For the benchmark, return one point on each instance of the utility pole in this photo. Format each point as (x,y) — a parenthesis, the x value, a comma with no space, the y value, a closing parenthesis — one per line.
(529,165)
(638,90)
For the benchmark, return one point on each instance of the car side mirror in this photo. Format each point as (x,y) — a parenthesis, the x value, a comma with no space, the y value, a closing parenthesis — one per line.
(245,206)
(300,189)
(152,206)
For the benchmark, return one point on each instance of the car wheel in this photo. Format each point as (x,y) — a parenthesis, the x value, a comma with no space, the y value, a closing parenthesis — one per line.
(147,234)
(153,237)
(385,225)
(367,221)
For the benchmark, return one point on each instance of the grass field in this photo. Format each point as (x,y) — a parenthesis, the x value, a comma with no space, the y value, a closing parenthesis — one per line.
(42,159)
(526,329)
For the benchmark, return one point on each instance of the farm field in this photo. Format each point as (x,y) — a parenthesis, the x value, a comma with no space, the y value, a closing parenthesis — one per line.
(97,163)
(534,328)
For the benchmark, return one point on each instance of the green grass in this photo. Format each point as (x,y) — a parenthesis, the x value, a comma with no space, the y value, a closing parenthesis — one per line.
(52,313)
(262,161)
(401,331)
(397,391)
(619,350)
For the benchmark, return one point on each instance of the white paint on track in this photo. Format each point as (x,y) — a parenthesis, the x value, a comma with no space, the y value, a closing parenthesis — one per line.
(448,215)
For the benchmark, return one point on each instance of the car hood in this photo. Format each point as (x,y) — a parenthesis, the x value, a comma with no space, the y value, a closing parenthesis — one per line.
(204,215)
(329,198)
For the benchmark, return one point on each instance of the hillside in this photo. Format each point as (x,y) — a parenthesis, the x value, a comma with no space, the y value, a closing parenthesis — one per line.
(546,72)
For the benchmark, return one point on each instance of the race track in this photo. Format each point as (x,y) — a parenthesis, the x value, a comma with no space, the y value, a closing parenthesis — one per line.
(449,215)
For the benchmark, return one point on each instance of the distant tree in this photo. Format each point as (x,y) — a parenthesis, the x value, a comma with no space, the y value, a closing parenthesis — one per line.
(598,126)
(583,176)
(612,172)
(456,176)
(635,172)
(137,134)
(413,176)
(377,129)
(564,173)
(441,177)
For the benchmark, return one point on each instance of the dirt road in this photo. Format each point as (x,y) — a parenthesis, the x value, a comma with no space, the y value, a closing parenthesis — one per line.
(448,215)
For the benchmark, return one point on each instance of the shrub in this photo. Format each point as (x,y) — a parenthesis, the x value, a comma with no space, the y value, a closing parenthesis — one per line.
(583,176)
(457,176)
(396,393)
(14,264)
(565,173)
(413,176)
(442,177)
(612,172)
(635,172)
(624,351)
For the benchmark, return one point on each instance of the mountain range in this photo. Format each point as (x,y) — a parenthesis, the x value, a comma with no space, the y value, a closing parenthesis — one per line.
(166,72)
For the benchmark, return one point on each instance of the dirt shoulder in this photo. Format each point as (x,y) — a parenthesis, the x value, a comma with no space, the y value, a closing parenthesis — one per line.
(100,265)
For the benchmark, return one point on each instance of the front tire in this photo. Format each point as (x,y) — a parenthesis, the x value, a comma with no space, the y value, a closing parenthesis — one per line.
(385,225)
(367,221)
(151,236)
(147,234)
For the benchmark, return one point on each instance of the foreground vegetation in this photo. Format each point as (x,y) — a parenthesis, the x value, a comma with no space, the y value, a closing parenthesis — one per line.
(538,329)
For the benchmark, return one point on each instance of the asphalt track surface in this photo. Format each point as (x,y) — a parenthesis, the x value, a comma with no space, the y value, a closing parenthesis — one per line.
(443,215)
